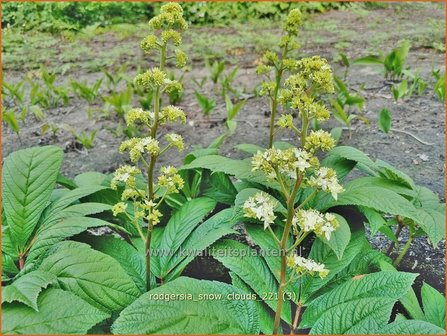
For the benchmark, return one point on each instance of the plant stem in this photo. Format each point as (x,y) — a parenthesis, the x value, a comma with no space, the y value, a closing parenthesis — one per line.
(150,172)
(397,234)
(403,252)
(21,262)
(274,107)
(296,319)
(283,248)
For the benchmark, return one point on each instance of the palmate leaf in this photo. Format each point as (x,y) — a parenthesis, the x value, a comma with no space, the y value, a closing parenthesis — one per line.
(26,289)
(252,269)
(194,314)
(29,176)
(179,227)
(94,276)
(350,317)
(60,312)
(387,284)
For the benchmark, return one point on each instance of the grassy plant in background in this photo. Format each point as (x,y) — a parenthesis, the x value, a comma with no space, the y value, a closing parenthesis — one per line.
(412,83)
(8,117)
(200,83)
(115,78)
(394,62)
(279,63)
(344,103)
(216,69)
(13,94)
(85,91)
(227,83)
(206,104)
(439,85)
(119,102)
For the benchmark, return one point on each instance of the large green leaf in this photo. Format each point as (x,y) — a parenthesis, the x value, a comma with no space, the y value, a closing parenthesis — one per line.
(182,307)
(26,289)
(322,253)
(60,230)
(130,259)
(94,276)
(434,305)
(355,155)
(348,317)
(387,284)
(206,234)
(252,269)
(340,238)
(266,315)
(433,223)
(219,187)
(29,176)
(60,312)
(411,327)
(179,227)
(377,198)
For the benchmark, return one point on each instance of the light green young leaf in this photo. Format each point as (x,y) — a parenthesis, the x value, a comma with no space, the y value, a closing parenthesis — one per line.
(434,305)
(26,289)
(60,312)
(385,120)
(196,314)
(94,276)
(433,223)
(29,176)
(375,219)
(386,284)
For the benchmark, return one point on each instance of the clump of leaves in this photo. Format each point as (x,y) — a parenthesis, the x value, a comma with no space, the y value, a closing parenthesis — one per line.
(394,62)
(345,102)
(216,69)
(86,91)
(206,104)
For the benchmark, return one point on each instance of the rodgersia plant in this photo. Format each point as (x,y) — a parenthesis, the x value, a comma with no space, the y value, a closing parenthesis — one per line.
(295,169)
(144,152)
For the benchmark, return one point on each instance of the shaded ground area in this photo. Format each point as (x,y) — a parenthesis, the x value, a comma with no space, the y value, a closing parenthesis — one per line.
(356,32)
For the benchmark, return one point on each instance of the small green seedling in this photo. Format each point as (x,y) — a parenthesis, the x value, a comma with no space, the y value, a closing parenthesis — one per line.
(205,103)
(85,91)
(216,70)
(439,85)
(200,83)
(84,138)
(120,101)
(10,119)
(393,63)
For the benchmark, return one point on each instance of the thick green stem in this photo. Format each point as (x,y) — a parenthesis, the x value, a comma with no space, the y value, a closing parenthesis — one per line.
(283,248)
(150,172)
(403,252)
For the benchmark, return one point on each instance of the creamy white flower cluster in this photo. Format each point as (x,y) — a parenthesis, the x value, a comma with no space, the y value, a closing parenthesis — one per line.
(302,266)
(312,220)
(261,207)
(286,162)
(326,180)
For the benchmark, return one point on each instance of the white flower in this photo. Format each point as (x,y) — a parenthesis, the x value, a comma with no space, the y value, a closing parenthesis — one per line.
(303,266)
(312,220)
(260,207)
(326,180)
